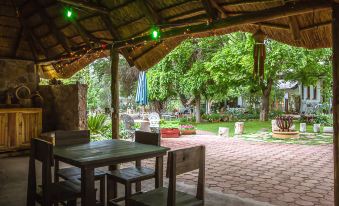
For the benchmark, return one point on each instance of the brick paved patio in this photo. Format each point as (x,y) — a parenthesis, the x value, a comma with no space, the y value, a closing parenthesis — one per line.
(280,174)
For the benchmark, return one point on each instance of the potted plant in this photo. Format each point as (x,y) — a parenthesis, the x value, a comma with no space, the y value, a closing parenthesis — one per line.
(187,129)
(169,129)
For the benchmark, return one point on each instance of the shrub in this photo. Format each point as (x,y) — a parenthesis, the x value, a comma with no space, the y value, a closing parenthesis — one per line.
(323,119)
(169,124)
(97,124)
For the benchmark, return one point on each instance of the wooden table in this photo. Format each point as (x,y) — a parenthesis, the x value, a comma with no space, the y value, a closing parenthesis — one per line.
(105,153)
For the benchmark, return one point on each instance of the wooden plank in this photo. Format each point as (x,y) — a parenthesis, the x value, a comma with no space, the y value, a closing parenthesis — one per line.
(108,152)
(210,9)
(86,5)
(152,16)
(53,27)
(294,27)
(335,67)
(255,17)
(115,93)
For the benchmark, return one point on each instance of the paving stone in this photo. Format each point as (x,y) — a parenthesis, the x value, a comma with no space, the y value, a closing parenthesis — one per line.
(280,174)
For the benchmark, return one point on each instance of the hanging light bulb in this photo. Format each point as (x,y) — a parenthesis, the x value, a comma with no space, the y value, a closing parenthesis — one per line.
(155,33)
(69,13)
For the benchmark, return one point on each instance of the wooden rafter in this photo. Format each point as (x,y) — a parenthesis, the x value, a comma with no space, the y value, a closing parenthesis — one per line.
(245,2)
(294,27)
(211,11)
(87,5)
(219,8)
(115,34)
(149,12)
(255,17)
(87,37)
(17,42)
(53,27)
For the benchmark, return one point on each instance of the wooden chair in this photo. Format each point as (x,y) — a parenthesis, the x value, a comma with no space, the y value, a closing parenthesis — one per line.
(179,162)
(63,138)
(129,175)
(48,193)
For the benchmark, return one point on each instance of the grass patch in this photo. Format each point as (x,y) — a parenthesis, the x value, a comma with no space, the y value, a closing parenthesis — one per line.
(261,132)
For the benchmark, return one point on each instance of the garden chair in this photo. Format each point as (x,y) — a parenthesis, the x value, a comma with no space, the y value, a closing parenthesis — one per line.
(179,162)
(48,193)
(154,120)
(63,138)
(129,175)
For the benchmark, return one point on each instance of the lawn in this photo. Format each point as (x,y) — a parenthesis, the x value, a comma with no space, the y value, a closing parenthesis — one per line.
(260,131)
(250,127)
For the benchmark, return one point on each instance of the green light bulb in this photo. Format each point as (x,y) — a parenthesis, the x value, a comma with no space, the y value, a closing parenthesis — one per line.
(155,34)
(69,14)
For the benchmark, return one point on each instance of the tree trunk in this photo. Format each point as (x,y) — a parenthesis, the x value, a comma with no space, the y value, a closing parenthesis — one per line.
(265,100)
(264,107)
(197,109)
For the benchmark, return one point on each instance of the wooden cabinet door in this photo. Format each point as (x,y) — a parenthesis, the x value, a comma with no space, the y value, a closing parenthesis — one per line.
(4,140)
(28,125)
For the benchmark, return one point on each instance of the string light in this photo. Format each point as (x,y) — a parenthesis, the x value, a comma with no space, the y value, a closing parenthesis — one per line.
(69,13)
(155,33)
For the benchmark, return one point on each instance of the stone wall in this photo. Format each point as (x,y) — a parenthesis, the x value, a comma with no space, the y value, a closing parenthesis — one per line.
(64,107)
(14,73)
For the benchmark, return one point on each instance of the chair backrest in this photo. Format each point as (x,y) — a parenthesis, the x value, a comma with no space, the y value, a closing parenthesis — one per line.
(42,151)
(147,138)
(183,161)
(64,137)
(154,119)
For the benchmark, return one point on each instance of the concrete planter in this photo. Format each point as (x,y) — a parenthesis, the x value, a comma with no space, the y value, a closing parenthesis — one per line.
(239,128)
(316,128)
(303,127)
(224,132)
(328,130)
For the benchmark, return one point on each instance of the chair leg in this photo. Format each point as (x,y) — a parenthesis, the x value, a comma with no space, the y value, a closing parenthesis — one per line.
(138,187)
(111,189)
(102,191)
(128,192)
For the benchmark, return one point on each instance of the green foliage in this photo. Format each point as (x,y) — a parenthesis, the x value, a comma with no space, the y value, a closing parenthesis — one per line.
(323,119)
(99,127)
(169,124)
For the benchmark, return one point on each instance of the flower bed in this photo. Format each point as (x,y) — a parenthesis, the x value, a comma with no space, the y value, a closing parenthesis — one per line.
(187,129)
(170,132)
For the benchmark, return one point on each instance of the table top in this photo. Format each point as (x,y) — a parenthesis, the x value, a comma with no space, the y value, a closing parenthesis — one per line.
(107,152)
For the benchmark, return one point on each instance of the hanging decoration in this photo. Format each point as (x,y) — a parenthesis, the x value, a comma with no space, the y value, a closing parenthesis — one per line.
(259,55)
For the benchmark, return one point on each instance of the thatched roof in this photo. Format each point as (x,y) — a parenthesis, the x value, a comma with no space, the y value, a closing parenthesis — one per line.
(37,29)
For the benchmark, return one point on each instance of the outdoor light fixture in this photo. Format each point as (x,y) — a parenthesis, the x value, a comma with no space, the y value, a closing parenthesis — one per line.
(155,33)
(69,14)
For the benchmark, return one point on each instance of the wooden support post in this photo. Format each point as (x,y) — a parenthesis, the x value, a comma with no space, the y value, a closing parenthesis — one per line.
(115,92)
(335,39)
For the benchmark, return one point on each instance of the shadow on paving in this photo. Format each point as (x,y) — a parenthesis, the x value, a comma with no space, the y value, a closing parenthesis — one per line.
(13,185)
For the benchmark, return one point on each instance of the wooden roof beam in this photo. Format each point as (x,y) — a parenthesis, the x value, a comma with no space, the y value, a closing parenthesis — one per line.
(53,27)
(210,9)
(87,5)
(245,2)
(255,17)
(115,34)
(87,37)
(219,8)
(294,27)
(149,12)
